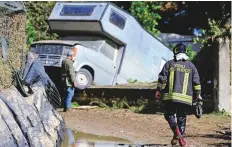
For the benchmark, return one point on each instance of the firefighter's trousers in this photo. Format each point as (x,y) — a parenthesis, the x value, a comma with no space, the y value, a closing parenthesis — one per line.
(173,110)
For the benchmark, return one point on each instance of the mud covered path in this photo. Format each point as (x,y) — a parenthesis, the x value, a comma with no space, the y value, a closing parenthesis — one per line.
(210,130)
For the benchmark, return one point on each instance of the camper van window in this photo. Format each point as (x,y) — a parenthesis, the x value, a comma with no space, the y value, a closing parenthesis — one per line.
(72,10)
(117,19)
(108,51)
(94,45)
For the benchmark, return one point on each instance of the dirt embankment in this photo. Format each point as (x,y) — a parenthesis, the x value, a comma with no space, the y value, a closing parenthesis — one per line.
(13,29)
(210,130)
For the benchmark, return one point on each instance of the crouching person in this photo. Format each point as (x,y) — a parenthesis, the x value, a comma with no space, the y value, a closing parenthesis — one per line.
(68,80)
(178,86)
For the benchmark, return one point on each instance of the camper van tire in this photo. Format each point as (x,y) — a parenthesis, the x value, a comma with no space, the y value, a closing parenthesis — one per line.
(84,79)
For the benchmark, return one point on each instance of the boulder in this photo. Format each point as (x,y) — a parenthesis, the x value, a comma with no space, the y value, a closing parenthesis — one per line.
(29,121)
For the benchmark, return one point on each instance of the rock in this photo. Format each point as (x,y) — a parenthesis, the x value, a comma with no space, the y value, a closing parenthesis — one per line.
(12,127)
(29,121)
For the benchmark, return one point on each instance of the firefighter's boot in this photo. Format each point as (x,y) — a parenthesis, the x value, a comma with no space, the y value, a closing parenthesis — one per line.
(174,140)
(172,123)
(180,137)
(181,122)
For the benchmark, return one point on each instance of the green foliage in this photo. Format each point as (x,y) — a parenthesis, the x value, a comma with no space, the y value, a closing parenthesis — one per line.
(137,109)
(171,46)
(120,104)
(147,13)
(191,54)
(221,113)
(75,104)
(216,28)
(99,103)
(31,33)
(37,15)
(132,81)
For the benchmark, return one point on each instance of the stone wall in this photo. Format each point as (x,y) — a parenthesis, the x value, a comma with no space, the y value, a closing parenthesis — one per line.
(29,121)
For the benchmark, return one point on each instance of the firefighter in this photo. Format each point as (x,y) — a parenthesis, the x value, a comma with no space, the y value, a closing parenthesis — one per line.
(178,86)
(68,79)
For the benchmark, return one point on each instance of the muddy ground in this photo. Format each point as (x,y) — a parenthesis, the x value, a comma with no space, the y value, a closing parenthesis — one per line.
(210,130)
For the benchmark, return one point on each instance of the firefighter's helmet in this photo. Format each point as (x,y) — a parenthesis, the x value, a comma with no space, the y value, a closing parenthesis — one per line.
(179,48)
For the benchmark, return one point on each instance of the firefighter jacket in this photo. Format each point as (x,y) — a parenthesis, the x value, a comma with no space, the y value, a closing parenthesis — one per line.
(68,73)
(179,81)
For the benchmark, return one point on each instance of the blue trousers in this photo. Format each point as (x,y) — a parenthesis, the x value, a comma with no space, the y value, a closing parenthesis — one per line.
(69,93)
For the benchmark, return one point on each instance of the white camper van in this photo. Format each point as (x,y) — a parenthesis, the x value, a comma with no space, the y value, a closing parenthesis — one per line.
(112,47)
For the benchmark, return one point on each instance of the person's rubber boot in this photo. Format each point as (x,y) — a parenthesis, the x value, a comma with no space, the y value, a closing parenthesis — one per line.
(174,140)
(172,123)
(181,141)
(180,137)
(181,121)
(68,110)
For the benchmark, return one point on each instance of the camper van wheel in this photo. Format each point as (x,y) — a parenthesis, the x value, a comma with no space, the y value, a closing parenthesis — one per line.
(84,78)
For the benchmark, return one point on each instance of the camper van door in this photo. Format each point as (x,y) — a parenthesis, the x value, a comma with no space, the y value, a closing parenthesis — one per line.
(107,61)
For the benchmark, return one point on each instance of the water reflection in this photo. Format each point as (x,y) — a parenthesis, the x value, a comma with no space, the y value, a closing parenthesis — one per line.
(79,139)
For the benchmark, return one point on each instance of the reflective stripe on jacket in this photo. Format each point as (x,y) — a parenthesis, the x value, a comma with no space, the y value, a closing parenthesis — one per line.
(179,81)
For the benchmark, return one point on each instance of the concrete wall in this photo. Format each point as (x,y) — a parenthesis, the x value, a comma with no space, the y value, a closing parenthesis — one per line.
(29,121)
(224,92)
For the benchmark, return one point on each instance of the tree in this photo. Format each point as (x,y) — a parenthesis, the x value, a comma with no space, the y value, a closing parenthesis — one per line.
(147,13)
(184,17)
(191,54)
(37,26)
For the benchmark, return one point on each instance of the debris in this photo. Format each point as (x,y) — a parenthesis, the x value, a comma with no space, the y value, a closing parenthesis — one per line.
(85,107)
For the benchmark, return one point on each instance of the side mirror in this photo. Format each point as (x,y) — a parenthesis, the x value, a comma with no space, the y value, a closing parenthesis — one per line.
(4,48)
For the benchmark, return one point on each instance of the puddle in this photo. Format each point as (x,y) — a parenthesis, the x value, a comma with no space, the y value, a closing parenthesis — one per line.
(80,139)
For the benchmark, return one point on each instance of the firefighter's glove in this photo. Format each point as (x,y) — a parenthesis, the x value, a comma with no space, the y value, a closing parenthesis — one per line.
(197,104)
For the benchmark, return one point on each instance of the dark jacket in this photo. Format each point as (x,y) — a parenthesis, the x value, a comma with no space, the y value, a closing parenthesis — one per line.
(68,73)
(179,81)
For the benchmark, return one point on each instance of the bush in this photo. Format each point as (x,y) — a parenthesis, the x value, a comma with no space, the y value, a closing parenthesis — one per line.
(37,25)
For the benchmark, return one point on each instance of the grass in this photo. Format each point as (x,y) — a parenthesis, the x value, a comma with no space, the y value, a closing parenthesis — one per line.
(75,104)
(220,113)
(118,104)
(135,81)
(99,103)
